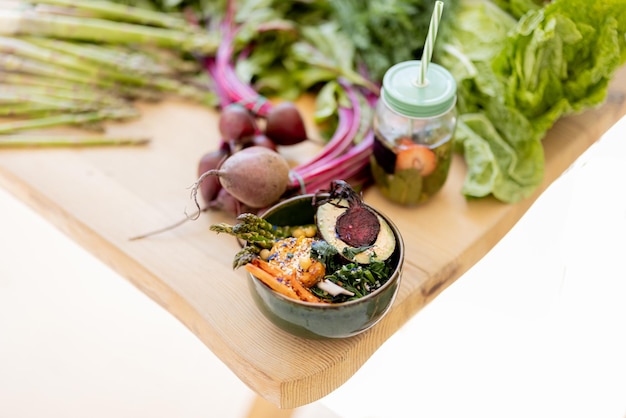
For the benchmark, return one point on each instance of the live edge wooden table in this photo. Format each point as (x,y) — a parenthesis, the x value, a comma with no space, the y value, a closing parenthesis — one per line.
(101,197)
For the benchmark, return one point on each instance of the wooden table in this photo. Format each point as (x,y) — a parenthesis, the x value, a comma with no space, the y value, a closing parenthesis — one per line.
(102,196)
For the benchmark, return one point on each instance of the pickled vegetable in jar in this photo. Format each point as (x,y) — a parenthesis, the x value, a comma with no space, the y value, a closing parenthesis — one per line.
(413,126)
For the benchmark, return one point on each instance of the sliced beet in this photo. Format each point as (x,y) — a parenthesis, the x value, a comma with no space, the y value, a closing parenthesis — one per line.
(358,226)
(353,228)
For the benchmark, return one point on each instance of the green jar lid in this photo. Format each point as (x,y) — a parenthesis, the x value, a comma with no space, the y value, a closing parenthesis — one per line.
(402,93)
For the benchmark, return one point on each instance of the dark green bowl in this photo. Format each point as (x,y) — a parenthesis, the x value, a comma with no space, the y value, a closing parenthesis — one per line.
(314,320)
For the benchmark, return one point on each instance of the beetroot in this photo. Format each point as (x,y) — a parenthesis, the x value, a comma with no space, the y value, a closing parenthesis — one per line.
(211,161)
(284,124)
(262,141)
(255,176)
(225,202)
(236,123)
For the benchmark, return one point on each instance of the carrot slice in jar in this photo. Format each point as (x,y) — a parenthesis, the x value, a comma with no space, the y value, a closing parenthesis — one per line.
(416,156)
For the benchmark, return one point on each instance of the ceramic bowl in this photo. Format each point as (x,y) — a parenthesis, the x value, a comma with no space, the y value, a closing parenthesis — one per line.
(337,320)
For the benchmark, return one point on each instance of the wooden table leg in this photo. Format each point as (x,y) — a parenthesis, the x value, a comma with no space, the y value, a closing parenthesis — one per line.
(263,409)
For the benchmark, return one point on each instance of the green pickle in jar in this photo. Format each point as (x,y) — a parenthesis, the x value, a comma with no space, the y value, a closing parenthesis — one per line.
(413,125)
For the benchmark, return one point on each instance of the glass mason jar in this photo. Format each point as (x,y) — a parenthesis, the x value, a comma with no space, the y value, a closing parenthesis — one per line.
(413,126)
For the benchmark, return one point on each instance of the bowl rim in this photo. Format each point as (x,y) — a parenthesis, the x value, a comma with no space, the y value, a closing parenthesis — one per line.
(338,305)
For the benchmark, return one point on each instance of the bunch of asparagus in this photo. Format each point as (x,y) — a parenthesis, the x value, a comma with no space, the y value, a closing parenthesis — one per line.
(66,62)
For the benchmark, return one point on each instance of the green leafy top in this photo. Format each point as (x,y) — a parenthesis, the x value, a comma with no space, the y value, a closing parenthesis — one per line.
(519,65)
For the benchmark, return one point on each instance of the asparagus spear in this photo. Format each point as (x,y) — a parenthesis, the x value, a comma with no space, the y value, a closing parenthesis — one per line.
(173,59)
(245,255)
(41,79)
(67,119)
(106,76)
(15,141)
(107,55)
(21,48)
(254,229)
(22,79)
(114,11)
(79,96)
(13,63)
(256,237)
(14,98)
(29,22)
(34,109)
(27,109)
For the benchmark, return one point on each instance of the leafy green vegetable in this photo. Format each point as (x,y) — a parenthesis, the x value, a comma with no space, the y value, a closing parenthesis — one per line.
(385,32)
(356,278)
(326,48)
(324,252)
(352,39)
(518,8)
(350,252)
(554,61)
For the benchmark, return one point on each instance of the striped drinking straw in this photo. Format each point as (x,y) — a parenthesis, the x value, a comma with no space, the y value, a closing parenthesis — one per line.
(430,42)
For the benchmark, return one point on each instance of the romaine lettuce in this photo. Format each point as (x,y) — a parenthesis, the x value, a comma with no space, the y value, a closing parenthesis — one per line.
(517,77)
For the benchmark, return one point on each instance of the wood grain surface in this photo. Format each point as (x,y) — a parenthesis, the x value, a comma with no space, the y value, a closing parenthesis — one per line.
(103,196)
